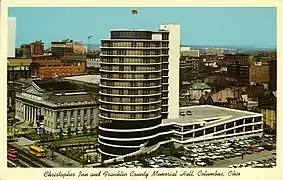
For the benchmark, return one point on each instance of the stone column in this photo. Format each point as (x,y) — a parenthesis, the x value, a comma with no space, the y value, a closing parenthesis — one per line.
(82,117)
(62,120)
(88,117)
(76,118)
(68,118)
(24,110)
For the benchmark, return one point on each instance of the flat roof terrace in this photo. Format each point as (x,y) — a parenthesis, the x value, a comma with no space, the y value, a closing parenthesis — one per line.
(208,113)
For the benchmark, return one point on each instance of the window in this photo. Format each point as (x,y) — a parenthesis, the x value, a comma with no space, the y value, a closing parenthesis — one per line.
(72,113)
(65,114)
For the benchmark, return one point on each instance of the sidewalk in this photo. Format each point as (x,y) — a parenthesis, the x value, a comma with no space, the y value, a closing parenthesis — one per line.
(61,161)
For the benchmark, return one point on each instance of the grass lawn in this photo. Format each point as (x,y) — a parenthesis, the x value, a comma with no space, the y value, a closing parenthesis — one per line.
(73,140)
(73,154)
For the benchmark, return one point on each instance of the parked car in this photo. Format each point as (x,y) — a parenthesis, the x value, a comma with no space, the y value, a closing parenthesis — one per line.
(202,164)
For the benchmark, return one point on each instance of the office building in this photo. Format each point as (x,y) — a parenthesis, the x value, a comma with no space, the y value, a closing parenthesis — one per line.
(138,67)
(272,83)
(258,73)
(238,67)
(11,37)
(214,51)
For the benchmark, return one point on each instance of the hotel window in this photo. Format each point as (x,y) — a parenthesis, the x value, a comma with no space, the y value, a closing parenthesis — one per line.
(79,113)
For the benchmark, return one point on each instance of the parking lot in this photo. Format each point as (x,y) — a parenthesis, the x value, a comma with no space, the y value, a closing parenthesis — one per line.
(247,158)
(249,152)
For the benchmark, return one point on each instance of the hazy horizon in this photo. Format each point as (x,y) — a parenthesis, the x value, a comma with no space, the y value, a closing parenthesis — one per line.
(211,26)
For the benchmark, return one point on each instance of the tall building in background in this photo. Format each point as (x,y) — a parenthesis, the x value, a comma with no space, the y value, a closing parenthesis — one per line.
(37,48)
(139,87)
(272,84)
(11,37)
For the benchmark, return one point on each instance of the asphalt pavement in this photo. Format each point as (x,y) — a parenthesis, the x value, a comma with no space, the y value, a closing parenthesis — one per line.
(256,156)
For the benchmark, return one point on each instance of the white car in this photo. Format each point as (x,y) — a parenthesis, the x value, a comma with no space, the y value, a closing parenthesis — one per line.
(201,164)
(260,165)
(250,163)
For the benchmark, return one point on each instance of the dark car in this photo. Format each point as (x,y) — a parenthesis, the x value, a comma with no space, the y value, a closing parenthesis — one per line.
(233,155)
(249,152)
(208,162)
(227,156)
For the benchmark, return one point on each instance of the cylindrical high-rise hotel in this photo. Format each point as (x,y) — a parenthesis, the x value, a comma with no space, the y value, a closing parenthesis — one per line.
(131,89)
(138,68)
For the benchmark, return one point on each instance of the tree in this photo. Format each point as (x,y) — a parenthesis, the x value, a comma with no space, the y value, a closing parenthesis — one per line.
(69,132)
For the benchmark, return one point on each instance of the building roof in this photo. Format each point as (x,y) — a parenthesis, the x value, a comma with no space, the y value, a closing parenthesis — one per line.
(201,113)
(71,97)
(197,86)
(224,95)
(55,85)
(18,62)
(95,79)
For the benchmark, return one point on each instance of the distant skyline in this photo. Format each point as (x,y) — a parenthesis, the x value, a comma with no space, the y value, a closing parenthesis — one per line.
(233,26)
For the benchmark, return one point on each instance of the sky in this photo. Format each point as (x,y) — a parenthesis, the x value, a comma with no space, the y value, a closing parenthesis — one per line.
(243,26)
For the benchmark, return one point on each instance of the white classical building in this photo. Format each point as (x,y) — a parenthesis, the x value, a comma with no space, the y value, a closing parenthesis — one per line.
(61,108)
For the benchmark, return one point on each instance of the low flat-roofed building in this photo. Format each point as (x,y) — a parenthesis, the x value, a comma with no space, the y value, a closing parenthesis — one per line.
(210,123)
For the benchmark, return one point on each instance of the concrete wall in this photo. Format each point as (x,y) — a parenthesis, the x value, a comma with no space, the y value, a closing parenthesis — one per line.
(174,63)
(11,37)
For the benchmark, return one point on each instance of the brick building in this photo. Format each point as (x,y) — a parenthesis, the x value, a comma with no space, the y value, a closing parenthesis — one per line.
(258,73)
(37,48)
(32,49)
(53,66)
